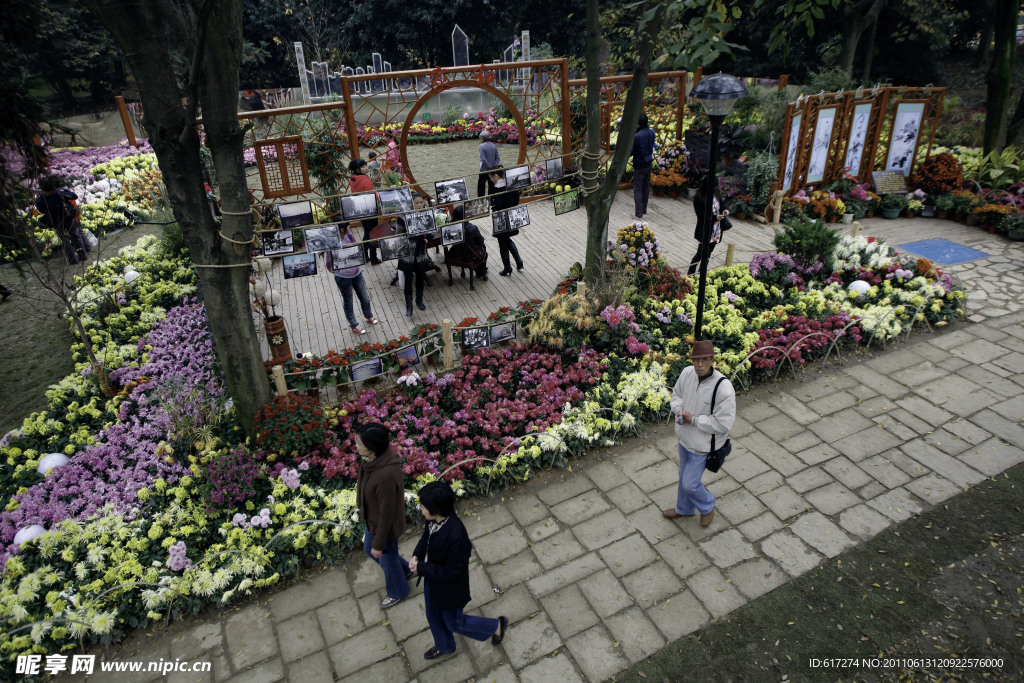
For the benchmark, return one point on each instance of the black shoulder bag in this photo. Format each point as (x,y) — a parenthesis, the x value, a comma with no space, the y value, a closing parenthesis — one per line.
(717,455)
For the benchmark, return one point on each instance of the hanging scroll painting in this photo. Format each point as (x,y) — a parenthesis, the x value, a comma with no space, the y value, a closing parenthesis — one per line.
(903,141)
(791,149)
(822,138)
(858,138)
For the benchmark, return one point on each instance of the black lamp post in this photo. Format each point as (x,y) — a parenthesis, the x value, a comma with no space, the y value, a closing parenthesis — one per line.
(717,94)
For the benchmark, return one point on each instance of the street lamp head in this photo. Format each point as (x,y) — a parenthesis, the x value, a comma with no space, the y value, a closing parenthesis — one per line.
(718,93)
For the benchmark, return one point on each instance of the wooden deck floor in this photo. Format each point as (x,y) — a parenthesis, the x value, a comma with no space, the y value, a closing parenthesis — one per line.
(312,306)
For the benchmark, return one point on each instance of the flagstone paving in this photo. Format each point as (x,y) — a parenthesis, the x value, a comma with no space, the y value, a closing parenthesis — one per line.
(591,576)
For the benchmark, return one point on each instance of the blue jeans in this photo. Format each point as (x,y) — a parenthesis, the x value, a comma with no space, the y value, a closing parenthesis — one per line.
(357,283)
(692,496)
(444,623)
(394,565)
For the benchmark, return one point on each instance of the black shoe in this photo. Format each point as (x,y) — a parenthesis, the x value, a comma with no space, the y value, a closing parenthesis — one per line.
(432,653)
(419,305)
(519,266)
(374,261)
(502,628)
(408,310)
(483,277)
(505,273)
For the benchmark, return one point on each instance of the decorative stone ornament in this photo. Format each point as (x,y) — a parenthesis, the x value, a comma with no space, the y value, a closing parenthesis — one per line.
(28,533)
(860,287)
(49,461)
(131,276)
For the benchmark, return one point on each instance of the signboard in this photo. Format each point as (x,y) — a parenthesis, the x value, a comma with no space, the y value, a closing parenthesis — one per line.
(889,182)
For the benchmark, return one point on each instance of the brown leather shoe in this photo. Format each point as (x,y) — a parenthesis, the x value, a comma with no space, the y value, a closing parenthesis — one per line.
(705,520)
(672,514)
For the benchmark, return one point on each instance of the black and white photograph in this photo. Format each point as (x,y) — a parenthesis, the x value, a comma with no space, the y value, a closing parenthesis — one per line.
(299,265)
(349,256)
(518,217)
(450,191)
(820,149)
(452,234)
(566,201)
(858,133)
(553,169)
(794,139)
(359,206)
(476,207)
(392,248)
(277,242)
(517,177)
(418,222)
(407,357)
(322,238)
(476,338)
(904,137)
(499,223)
(503,332)
(367,369)
(295,215)
(395,200)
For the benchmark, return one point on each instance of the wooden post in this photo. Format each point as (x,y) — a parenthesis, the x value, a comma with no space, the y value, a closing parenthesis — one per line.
(126,120)
(447,359)
(680,105)
(350,119)
(783,82)
(855,230)
(730,253)
(566,111)
(581,289)
(280,386)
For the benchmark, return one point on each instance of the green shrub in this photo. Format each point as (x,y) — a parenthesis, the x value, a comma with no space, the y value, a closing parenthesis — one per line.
(808,242)
(450,116)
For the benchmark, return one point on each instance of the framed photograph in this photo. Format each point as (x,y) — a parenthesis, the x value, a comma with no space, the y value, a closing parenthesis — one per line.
(476,207)
(476,338)
(395,200)
(791,151)
(392,248)
(903,139)
(299,265)
(295,214)
(503,332)
(349,256)
(278,242)
(367,369)
(407,357)
(322,238)
(452,234)
(518,217)
(451,191)
(359,206)
(553,168)
(499,223)
(418,222)
(822,144)
(566,201)
(517,177)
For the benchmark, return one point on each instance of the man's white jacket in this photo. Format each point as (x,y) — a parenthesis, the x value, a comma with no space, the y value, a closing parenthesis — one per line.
(694,396)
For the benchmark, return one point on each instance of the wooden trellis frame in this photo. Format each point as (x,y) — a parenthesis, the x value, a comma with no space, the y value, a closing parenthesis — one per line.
(282,165)
(877,138)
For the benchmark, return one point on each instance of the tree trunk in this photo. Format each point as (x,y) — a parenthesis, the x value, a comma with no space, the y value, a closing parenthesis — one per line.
(984,52)
(869,53)
(1000,74)
(222,266)
(599,196)
(857,18)
(60,82)
(1015,129)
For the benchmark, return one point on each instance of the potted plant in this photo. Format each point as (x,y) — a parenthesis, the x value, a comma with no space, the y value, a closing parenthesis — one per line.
(991,216)
(943,205)
(893,204)
(964,202)
(1014,225)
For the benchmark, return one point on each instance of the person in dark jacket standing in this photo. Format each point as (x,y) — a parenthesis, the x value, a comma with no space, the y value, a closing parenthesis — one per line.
(380,494)
(506,199)
(442,558)
(489,159)
(643,158)
(707,236)
(61,216)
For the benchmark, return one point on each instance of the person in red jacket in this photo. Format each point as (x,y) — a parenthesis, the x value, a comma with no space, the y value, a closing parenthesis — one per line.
(359,181)
(380,494)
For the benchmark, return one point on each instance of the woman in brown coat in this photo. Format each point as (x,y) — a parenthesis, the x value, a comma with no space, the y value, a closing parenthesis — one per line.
(380,494)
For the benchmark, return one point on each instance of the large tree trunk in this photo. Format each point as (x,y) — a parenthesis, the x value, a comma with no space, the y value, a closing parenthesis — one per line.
(869,53)
(599,196)
(1015,129)
(984,51)
(1000,74)
(222,265)
(857,18)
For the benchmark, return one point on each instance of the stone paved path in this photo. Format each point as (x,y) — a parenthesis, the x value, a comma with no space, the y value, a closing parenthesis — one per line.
(594,579)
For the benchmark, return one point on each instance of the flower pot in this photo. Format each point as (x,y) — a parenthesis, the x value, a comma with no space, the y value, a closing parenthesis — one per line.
(869,214)
(890,213)
(971,219)
(277,337)
(1016,235)
(910,215)
(941,213)
(847,219)
(928,211)
(673,193)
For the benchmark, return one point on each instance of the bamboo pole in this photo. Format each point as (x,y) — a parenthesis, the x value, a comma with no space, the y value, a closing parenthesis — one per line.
(126,121)
(446,340)
(730,253)
(280,386)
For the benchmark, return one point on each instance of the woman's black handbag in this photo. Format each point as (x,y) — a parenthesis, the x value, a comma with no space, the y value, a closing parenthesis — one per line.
(725,224)
(717,455)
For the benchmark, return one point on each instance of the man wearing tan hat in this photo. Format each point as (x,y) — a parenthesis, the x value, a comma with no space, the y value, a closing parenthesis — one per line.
(696,423)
